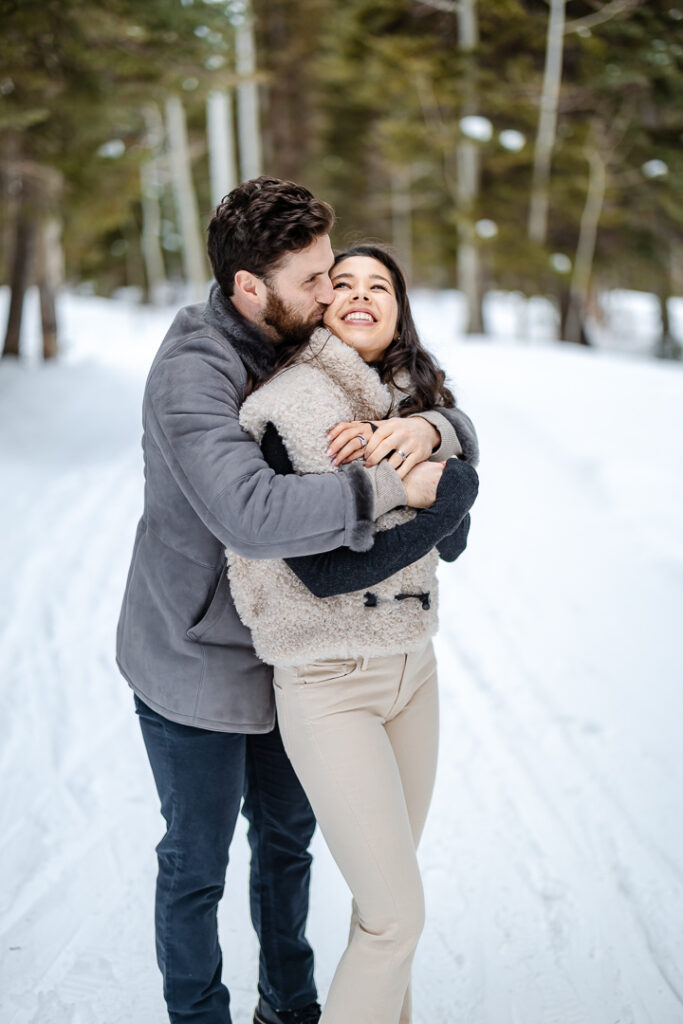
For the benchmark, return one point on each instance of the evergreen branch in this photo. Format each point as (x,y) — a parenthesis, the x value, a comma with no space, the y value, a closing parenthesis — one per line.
(606,13)
(450,6)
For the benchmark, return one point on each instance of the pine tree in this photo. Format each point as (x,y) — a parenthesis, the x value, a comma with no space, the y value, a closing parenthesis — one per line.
(76,81)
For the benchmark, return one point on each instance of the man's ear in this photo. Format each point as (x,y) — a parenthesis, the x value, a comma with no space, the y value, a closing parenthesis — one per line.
(250,288)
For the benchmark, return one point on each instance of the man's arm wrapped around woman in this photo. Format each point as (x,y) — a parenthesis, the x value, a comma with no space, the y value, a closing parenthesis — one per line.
(445,525)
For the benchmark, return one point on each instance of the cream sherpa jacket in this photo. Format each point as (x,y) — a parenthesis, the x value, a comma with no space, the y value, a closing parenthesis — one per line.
(329,383)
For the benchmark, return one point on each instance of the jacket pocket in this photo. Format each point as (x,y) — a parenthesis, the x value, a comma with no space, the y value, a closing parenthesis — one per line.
(210,629)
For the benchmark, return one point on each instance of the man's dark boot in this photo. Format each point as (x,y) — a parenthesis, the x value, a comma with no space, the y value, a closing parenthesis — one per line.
(265,1014)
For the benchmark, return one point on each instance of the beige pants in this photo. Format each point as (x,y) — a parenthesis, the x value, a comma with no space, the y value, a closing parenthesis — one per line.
(362,736)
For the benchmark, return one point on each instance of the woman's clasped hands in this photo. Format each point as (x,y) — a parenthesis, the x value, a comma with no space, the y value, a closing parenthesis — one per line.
(403,441)
(406,443)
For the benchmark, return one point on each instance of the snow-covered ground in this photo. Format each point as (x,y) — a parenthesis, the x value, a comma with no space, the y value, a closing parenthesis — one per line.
(553,857)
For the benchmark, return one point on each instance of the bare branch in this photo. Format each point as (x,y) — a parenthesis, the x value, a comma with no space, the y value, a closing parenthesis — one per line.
(450,6)
(606,13)
(434,121)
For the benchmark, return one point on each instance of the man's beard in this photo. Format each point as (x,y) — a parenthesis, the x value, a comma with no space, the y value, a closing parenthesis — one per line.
(288,323)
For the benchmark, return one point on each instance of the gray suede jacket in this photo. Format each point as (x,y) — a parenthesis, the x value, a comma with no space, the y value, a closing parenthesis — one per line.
(180,643)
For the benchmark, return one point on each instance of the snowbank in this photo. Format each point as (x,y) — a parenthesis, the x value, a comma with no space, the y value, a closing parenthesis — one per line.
(552,857)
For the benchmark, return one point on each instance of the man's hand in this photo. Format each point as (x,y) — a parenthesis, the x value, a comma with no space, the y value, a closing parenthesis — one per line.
(421,484)
(412,440)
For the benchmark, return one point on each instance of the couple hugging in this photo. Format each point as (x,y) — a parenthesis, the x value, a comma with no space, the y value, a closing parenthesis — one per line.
(305,468)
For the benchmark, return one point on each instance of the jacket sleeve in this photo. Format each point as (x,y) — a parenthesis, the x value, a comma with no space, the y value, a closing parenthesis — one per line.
(191,412)
(453,544)
(343,571)
(464,430)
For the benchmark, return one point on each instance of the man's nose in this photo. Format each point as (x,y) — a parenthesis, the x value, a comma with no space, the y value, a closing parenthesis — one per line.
(325,292)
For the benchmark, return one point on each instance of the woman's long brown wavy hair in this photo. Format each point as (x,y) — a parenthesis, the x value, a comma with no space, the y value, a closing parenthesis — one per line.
(406,352)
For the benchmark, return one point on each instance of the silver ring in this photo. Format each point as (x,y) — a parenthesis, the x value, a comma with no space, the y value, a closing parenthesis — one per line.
(403,454)
(363,440)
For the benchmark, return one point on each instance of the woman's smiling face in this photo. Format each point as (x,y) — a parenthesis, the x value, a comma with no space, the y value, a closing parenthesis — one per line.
(364,311)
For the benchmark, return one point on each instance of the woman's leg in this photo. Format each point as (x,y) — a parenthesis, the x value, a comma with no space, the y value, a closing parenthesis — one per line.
(415,730)
(414,736)
(333,718)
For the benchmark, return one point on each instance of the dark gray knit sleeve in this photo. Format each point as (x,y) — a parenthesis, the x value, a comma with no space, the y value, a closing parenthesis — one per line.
(452,546)
(343,571)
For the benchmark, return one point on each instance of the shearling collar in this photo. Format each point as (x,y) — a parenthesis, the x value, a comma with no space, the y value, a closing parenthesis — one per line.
(349,370)
(255,350)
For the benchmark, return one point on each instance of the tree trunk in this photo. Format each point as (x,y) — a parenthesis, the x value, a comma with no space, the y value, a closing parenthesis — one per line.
(22,264)
(469,279)
(676,264)
(185,198)
(401,217)
(667,346)
(150,187)
(10,196)
(50,264)
(220,133)
(585,249)
(547,123)
(566,306)
(249,130)
(468,175)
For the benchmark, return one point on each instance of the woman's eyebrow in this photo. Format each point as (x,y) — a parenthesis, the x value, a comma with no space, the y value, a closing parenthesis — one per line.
(377,277)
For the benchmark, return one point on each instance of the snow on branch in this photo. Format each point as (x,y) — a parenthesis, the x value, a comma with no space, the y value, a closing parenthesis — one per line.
(450,6)
(610,10)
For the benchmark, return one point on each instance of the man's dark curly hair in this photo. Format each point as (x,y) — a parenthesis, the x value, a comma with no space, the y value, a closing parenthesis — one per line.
(259,223)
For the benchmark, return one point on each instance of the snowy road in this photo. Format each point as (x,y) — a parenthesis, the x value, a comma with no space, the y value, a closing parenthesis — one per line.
(553,858)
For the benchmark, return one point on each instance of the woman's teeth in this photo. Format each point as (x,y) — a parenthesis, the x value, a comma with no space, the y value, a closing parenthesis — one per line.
(364,318)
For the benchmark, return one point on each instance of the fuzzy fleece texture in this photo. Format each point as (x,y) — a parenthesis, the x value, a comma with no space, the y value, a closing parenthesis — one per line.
(290,626)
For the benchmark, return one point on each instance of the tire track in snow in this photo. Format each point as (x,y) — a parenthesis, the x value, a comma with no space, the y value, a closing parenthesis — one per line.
(57,813)
(514,732)
(650,906)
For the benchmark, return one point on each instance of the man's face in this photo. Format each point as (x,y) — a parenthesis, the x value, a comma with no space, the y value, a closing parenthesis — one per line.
(298,292)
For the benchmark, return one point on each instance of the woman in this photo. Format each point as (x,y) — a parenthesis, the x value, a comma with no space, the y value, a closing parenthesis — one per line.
(348,633)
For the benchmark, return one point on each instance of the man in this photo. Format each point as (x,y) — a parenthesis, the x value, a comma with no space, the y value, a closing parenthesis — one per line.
(203,698)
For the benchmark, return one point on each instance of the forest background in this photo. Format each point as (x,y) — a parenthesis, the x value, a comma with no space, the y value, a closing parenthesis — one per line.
(529,146)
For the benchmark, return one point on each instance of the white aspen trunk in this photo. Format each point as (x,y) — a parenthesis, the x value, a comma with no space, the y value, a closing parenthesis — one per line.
(585,249)
(547,123)
(150,182)
(50,274)
(468,26)
(151,231)
(401,217)
(222,156)
(469,173)
(185,198)
(248,127)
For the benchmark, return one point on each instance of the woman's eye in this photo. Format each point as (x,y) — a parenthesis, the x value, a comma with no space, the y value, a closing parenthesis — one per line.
(381,287)
(340,284)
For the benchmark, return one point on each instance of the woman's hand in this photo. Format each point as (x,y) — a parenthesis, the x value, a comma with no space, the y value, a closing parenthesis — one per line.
(412,440)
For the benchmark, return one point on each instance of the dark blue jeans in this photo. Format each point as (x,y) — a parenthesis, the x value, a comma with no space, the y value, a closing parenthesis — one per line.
(201,777)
